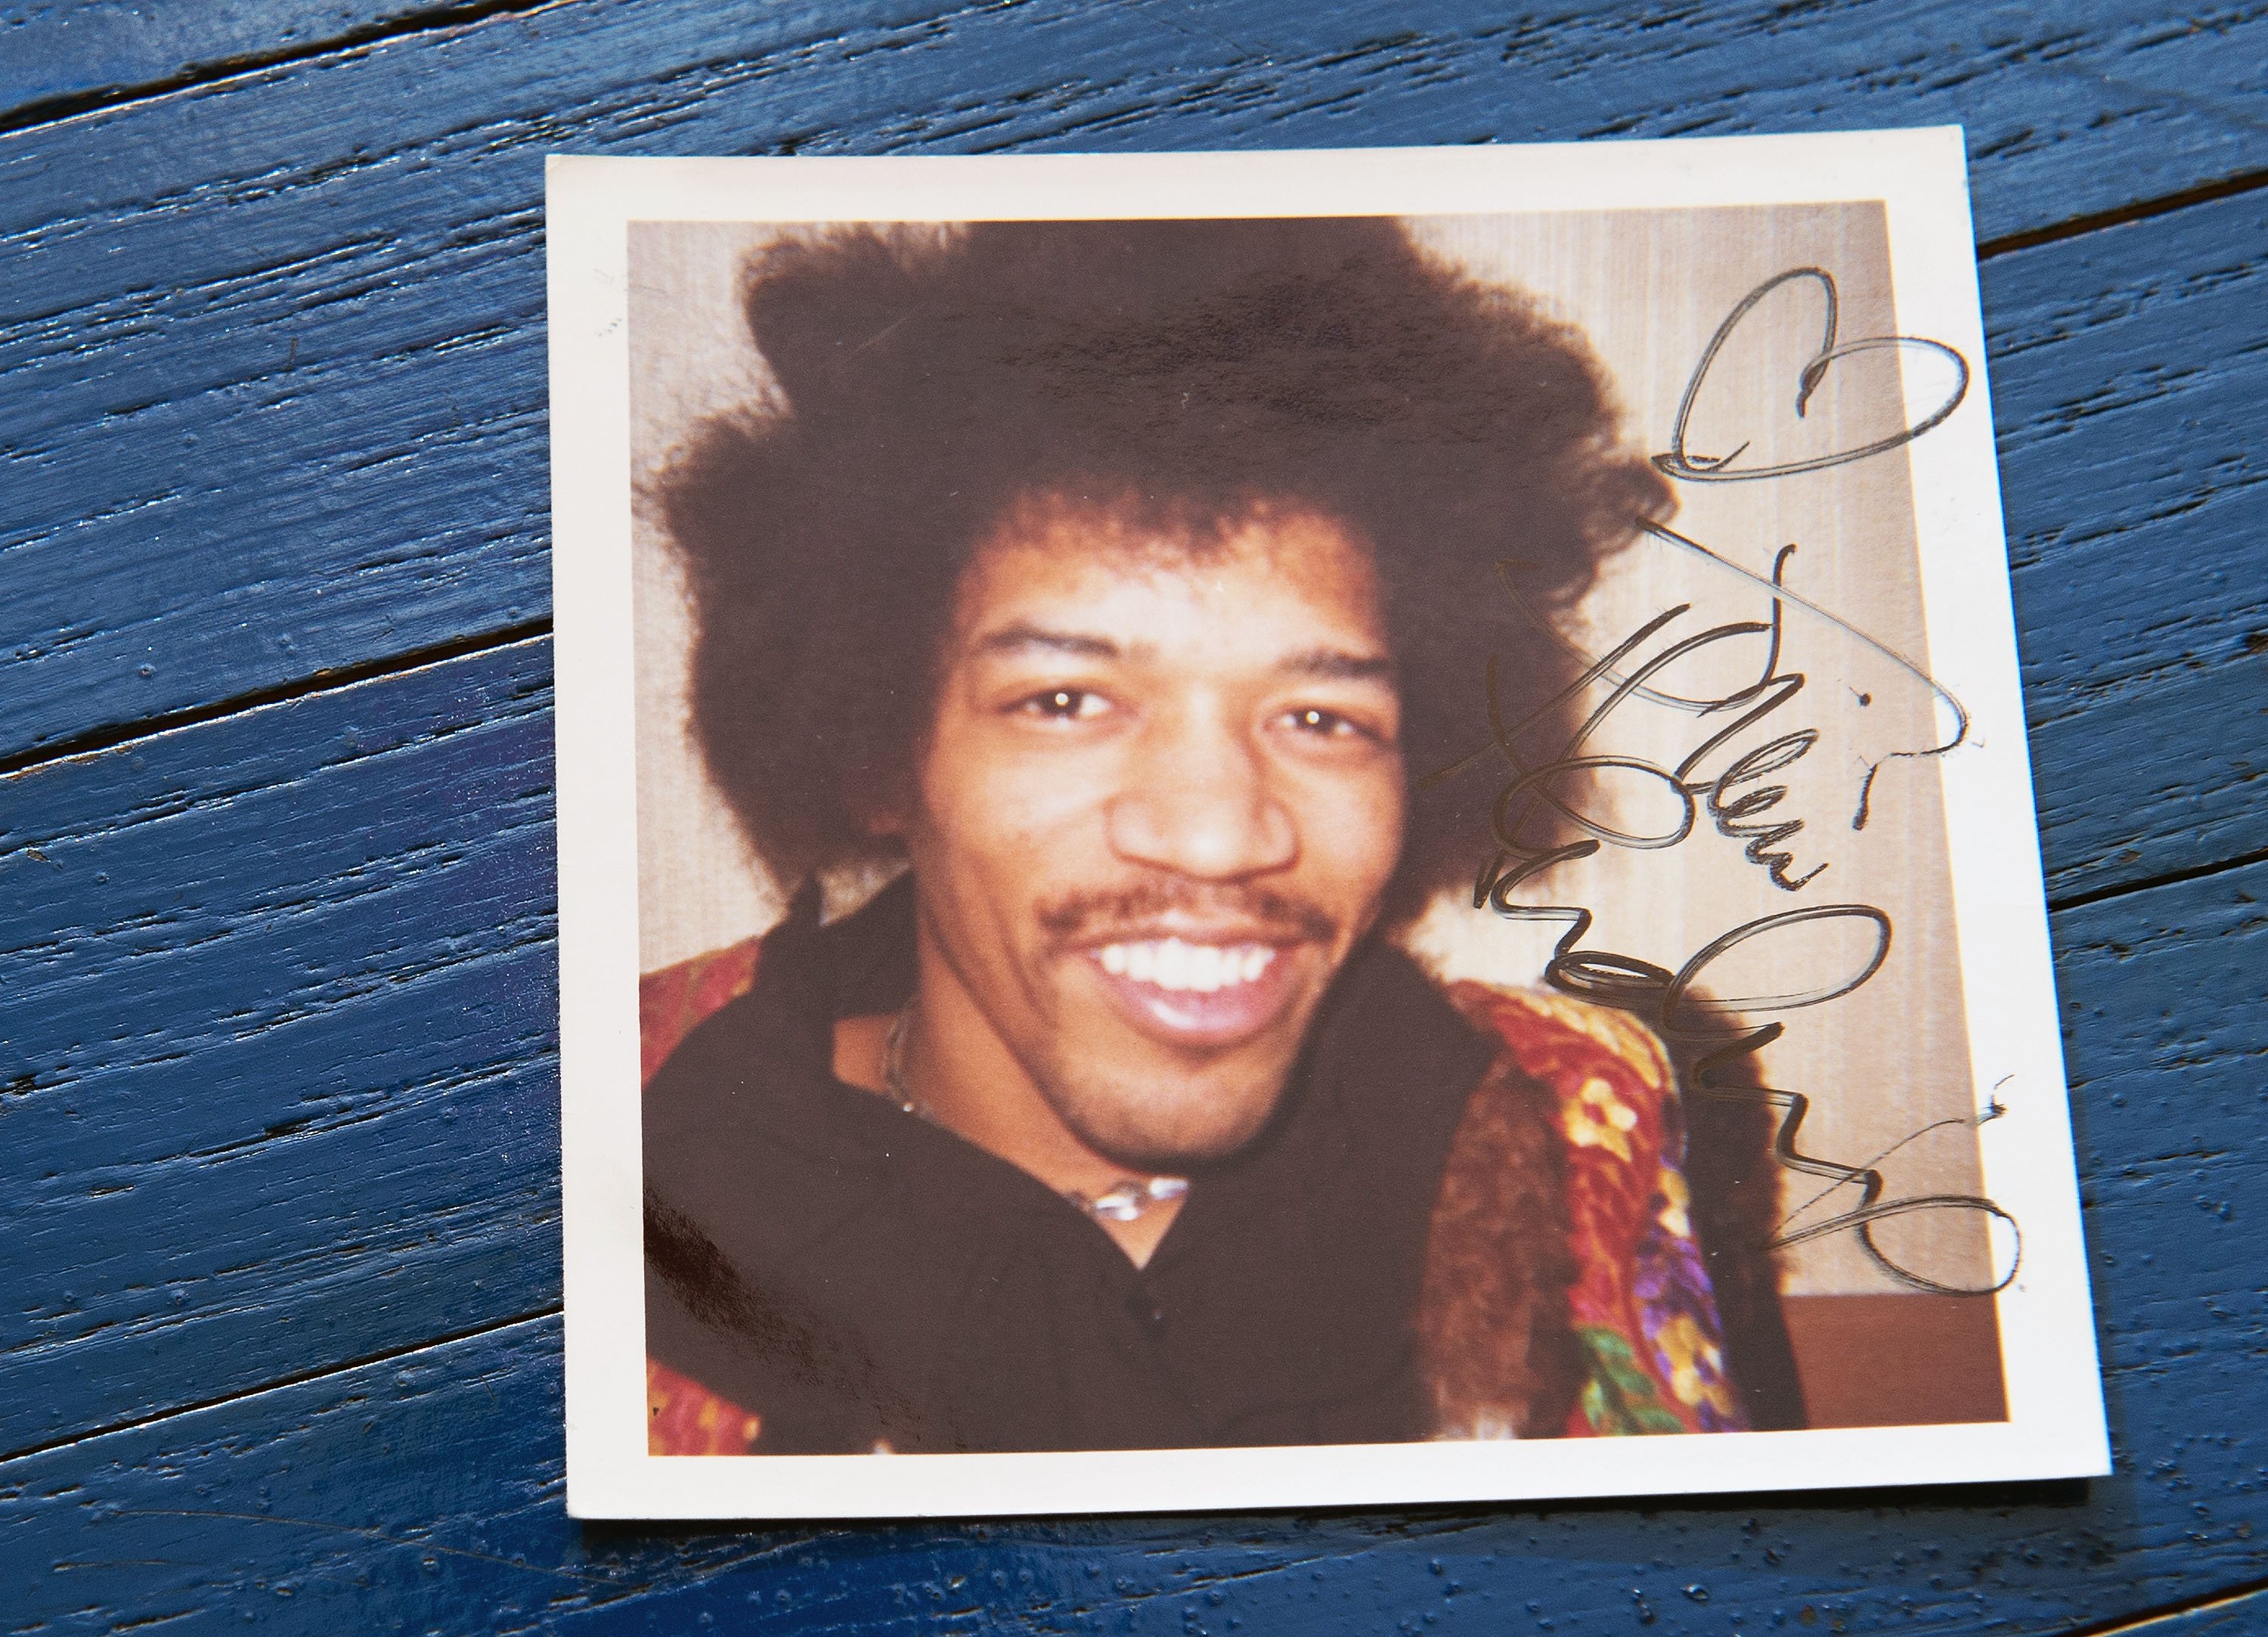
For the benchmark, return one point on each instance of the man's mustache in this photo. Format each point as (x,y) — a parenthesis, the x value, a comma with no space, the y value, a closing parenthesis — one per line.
(1266,914)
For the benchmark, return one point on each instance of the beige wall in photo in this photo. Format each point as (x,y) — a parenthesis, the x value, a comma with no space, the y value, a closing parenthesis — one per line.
(1886,1066)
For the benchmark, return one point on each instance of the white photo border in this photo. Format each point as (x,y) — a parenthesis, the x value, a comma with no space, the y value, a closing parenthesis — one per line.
(2055,1426)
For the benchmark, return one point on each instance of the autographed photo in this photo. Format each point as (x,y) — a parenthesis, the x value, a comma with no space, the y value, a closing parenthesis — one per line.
(1284,829)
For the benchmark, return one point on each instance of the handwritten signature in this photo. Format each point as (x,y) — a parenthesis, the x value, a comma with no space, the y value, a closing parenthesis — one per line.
(1730,782)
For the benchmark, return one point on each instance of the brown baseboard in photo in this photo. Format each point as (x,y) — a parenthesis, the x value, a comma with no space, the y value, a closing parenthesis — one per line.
(1896,1361)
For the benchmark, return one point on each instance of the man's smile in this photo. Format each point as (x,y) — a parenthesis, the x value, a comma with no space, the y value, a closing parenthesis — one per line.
(1170,964)
(1190,992)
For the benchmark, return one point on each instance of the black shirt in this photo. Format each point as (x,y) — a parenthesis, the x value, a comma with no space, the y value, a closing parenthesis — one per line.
(852,1274)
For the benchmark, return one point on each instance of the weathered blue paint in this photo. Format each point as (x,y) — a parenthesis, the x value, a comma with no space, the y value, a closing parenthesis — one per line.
(278,1082)
(281,1019)
(2130,391)
(56,54)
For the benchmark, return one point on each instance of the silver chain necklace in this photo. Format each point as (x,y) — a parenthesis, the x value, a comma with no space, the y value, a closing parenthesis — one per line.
(1128,1201)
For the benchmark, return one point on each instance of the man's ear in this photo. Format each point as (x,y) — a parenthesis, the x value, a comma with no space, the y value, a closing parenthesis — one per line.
(885,804)
(883,815)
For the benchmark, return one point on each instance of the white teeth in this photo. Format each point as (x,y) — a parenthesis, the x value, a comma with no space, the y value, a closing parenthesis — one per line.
(1171,963)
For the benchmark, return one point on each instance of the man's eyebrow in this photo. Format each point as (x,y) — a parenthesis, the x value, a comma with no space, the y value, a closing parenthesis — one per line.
(1337,665)
(1325,664)
(1023,635)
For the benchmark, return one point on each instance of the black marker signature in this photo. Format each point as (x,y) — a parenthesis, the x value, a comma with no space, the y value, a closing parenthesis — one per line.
(1701,468)
(1737,801)
(1782,597)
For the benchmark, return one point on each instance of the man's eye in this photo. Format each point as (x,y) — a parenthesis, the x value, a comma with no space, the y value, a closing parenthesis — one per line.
(1321,723)
(1064,704)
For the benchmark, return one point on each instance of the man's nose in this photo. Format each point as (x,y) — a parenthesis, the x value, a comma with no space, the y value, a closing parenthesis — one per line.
(1198,800)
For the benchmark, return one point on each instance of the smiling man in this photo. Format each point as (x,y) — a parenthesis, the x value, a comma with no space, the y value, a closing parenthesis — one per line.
(1123,583)
(1160,802)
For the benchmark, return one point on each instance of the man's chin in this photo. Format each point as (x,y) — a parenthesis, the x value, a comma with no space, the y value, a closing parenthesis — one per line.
(1166,1139)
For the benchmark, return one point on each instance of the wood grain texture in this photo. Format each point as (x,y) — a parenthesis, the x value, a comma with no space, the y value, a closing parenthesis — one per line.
(330,260)
(279,1060)
(56,54)
(403,1494)
(2129,383)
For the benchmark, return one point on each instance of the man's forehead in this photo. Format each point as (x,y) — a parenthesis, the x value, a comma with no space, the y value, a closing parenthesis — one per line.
(1113,584)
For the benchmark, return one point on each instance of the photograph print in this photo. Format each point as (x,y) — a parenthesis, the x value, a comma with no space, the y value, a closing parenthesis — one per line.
(1293,828)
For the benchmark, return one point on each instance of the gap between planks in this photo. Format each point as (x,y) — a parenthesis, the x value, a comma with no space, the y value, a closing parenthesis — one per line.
(391,1356)
(2166,878)
(2141,210)
(437,19)
(319,682)
(2204,1602)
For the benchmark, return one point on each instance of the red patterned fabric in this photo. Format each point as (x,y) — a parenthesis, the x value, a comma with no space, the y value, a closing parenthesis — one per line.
(1640,1305)
(684,1418)
(672,1000)
(683,1415)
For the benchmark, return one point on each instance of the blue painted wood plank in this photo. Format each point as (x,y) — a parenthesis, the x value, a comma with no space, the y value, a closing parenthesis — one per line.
(272,348)
(403,1494)
(455,1451)
(65,51)
(277,1050)
(2129,378)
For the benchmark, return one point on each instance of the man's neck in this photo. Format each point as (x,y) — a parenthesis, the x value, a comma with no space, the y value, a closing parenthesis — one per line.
(1022,1129)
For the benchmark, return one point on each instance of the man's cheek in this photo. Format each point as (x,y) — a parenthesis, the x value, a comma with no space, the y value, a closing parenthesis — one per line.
(1038,814)
(1358,832)
(983,805)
